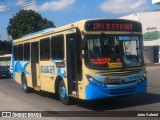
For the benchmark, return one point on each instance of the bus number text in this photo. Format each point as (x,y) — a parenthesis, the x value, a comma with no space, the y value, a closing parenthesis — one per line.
(47,69)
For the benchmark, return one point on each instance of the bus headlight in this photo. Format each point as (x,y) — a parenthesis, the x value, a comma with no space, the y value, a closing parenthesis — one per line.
(141,79)
(145,75)
(95,82)
(90,79)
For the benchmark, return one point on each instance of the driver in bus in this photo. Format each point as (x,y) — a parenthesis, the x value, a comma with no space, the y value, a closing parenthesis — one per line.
(114,50)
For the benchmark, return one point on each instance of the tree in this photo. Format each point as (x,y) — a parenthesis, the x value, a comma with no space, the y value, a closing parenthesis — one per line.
(5,47)
(26,22)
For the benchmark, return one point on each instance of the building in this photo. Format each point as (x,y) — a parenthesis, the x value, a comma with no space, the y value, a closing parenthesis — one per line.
(155,1)
(151,33)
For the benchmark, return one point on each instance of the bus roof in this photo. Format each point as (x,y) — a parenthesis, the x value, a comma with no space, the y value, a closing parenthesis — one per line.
(45,30)
(48,31)
(6,55)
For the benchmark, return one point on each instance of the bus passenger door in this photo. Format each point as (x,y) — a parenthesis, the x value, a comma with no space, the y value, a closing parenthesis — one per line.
(73,63)
(35,63)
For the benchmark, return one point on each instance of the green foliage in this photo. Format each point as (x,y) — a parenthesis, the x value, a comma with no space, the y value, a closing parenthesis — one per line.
(5,47)
(26,22)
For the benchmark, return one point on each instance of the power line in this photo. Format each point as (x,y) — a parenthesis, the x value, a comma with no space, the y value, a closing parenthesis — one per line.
(18,7)
(14,8)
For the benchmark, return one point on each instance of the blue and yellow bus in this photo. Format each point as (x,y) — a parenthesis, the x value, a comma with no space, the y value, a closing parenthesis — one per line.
(88,59)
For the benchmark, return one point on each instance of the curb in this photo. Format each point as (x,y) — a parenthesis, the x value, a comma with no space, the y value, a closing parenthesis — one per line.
(152,64)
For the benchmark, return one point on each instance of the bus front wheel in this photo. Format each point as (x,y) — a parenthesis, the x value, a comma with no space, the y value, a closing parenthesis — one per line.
(63,93)
(25,88)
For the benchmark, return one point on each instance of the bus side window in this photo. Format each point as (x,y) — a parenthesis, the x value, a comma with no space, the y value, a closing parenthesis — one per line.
(15,52)
(20,52)
(57,47)
(26,51)
(45,49)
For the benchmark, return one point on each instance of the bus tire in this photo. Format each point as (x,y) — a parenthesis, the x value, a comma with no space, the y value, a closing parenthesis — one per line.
(25,88)
(64,98)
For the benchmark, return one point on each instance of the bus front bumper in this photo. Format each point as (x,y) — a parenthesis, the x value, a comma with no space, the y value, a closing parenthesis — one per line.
(94,92)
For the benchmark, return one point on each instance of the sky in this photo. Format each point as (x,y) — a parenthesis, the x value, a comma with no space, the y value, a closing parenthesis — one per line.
(63,12)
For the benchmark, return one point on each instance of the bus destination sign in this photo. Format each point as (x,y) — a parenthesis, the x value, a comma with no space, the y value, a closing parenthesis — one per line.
(113,25)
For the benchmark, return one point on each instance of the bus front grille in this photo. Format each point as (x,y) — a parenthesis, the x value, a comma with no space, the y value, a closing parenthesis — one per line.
(122,91)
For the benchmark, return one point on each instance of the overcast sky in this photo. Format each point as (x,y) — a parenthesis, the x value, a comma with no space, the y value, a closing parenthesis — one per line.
(62,12)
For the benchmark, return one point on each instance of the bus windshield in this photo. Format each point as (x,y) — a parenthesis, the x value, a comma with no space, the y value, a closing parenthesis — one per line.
(101,50)
(5,61)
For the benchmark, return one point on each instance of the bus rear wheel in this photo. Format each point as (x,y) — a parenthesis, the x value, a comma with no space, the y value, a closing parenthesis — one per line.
(25,88)
(63,93)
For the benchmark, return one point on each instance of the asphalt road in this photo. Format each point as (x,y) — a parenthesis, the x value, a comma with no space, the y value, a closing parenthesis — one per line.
(12,98)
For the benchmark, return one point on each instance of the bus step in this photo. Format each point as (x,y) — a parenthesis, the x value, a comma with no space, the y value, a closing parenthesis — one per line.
(75,96)
(74,92)
(37,88)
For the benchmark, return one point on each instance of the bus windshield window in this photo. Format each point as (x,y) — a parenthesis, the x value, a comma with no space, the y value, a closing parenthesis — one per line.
(132,50)
(101,50)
